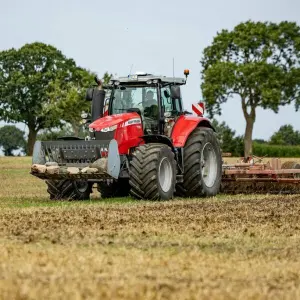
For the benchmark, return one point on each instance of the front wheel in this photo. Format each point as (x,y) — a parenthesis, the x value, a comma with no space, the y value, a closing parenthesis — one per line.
(67,189)
(202,165)
(153,172)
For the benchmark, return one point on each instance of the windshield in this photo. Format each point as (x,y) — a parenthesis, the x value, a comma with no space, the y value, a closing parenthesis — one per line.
(133,97)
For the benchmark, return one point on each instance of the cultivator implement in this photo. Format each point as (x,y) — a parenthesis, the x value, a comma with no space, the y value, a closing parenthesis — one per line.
(272,177)
(76,160)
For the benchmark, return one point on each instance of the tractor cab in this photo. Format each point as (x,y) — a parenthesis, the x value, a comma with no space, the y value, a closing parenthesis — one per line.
(157,99)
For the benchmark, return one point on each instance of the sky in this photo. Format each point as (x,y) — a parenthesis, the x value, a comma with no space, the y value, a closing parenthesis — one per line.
(116,35)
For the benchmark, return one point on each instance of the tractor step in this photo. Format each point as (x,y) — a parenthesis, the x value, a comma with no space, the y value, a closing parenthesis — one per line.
(179,178)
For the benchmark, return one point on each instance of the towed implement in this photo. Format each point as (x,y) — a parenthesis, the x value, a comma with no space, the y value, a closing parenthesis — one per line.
(140,141)
(260,177)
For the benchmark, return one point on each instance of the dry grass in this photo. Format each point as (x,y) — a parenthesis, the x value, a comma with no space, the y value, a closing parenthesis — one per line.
(241,247)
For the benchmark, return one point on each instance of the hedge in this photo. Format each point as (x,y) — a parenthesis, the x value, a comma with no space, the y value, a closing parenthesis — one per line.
(275,150)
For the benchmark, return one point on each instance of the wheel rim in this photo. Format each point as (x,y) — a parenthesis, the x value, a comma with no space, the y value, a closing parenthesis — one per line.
(209,165)
(82,186)
(165,174)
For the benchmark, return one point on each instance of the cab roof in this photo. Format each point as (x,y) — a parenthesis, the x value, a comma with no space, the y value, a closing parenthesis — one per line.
(146,78)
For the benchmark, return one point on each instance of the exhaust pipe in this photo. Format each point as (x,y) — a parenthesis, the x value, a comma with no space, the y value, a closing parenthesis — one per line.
(97,104)
(97,97)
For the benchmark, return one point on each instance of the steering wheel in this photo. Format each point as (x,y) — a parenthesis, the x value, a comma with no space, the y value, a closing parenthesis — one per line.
(151,110)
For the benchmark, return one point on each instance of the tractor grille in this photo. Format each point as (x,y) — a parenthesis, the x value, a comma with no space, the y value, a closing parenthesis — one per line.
(74,152)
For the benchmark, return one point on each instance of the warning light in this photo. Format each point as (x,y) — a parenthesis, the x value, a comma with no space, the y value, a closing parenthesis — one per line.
(186,73)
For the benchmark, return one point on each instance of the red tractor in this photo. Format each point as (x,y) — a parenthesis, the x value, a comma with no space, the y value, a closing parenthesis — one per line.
(141,142)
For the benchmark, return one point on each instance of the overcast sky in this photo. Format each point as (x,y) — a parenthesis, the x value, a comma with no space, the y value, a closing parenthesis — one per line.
(113,35)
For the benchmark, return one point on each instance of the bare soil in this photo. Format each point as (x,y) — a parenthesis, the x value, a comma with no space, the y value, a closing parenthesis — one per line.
(227,247)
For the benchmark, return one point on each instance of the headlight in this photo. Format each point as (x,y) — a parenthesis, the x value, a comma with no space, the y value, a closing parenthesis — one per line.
(107,129)
(149,81)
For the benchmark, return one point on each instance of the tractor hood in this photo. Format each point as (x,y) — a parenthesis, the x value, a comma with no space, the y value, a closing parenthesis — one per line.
(113,120)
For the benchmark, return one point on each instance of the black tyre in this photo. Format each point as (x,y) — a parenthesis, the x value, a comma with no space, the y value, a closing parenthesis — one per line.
(118,188)
(202,165)
(67,189)
(153,172)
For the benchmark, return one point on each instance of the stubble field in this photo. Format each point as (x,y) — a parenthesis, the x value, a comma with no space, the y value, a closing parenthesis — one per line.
(228,247)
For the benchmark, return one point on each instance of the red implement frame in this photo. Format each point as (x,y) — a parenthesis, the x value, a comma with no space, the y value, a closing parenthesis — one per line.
(260,172)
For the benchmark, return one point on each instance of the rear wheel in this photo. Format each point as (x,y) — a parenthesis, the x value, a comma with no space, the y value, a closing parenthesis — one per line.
(202,165)
(118,188)
(67,189)
(153,172)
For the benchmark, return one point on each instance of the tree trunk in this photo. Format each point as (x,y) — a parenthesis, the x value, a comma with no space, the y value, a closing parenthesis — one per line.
(248,137)
(31,140)
(8,152)
(250,119)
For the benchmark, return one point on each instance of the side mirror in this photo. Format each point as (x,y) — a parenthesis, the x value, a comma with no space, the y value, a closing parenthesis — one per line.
(175,92)
(166,94)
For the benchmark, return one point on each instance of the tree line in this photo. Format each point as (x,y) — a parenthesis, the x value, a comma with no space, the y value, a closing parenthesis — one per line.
(283,143)
(257,64)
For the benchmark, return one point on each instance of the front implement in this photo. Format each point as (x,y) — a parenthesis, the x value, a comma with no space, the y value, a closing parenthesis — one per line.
(76,160)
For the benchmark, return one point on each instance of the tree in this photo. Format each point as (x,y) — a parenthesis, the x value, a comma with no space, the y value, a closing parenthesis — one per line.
(228,141)
(26,78)
(286,135)
(257,63)
(11,138)
(68,100)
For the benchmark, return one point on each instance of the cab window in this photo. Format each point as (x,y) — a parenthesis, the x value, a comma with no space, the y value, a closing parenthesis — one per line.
(170,105)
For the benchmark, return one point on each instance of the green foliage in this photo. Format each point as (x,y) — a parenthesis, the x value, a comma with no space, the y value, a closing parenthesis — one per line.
(276,150)
(67,100)
(256,62)
(106,78)
(42,88)
(26,78)
(286,135)
(11,138)
(260,141)
(228,141)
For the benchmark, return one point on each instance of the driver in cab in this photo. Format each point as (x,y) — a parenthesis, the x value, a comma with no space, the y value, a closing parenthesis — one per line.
(150,111)
(150,106)
(149,101)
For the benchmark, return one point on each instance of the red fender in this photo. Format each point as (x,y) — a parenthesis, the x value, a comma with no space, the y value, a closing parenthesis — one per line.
(184,126)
